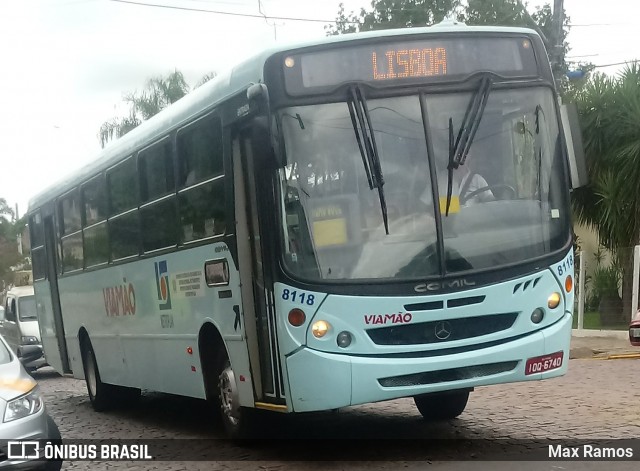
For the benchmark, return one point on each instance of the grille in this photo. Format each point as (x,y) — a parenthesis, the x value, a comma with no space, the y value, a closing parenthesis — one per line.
(445,376)
(431,332)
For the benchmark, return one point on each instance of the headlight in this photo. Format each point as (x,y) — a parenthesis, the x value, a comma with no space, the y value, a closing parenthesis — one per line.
(24,406)
(28,340)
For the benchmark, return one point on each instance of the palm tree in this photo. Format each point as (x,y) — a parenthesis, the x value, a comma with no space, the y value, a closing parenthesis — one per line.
(610,204)
(159,93)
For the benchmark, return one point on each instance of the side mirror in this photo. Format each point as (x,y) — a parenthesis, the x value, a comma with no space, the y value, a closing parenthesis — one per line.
(575,149)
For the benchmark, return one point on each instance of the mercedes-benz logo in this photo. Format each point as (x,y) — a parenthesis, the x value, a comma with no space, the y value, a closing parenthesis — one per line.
(443,330)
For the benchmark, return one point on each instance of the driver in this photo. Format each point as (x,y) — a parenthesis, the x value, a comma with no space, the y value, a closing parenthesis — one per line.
(464,184)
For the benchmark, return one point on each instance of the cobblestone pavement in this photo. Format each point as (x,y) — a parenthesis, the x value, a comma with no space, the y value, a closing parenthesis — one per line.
(596,399)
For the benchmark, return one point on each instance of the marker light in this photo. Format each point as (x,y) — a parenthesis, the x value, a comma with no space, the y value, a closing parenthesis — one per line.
(554,300)
(537,315)
(320,328)
(289,62)
(297,317)
(344,339)
(568,284)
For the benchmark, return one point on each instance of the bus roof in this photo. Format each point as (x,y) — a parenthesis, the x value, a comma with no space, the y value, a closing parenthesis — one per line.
(221,87)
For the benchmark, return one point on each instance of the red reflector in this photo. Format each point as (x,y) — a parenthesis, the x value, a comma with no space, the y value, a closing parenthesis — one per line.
(190,350)
(241,378)
(543,363)
(193,368)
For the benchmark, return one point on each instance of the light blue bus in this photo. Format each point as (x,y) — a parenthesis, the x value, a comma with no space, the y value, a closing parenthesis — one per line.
(362,218)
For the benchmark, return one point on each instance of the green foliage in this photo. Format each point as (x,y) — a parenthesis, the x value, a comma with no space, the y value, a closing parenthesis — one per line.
(159,92)
(386,14)
(610,204)
(9,230)
(604,284)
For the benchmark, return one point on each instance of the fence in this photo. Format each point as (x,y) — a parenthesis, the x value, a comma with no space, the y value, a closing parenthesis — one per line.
(599,293)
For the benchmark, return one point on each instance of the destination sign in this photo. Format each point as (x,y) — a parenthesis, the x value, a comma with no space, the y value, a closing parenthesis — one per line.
(395,63)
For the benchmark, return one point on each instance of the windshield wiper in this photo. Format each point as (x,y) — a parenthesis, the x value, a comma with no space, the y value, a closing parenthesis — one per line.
(363,129)
(459,149)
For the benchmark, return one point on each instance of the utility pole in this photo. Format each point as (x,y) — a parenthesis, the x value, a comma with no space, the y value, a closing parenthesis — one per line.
(558,20)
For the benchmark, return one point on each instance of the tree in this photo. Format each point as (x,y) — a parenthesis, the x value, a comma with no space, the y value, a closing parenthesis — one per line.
(386,14)
(610,204)
(159,92)
(9,255)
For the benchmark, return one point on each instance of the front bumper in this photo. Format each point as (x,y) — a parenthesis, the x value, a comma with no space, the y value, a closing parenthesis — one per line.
(321,381)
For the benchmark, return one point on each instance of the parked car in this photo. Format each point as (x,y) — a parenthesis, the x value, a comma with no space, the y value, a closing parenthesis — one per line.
(634,330)
(19,327)
(23,412)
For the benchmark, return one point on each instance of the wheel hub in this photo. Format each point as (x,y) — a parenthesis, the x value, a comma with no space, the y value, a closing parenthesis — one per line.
(229,400)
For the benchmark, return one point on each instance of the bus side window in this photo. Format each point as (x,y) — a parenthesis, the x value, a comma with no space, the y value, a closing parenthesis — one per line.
(71,232)
(96,244)
(124,227)
(200,151)
(157,190)
(201,203)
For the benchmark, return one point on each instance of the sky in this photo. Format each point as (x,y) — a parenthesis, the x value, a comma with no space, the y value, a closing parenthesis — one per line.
(67,63)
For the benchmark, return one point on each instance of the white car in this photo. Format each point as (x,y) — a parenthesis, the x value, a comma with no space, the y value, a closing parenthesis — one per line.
(19,327)
(23,413)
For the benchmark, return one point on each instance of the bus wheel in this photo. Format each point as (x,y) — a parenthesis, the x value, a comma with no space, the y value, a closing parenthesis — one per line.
(442,406)
(99,392)
(235,419)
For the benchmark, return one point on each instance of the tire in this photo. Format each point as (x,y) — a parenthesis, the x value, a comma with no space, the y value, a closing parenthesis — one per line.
(101,395)
(53,437)
(238,422)
(104,396)
(442,406)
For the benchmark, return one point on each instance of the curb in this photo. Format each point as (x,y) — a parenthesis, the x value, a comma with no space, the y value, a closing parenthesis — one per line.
(618,356)
(616,334)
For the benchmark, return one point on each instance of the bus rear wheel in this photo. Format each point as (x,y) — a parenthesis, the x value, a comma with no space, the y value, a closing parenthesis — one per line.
(442,406)
(100,394)
(104,396)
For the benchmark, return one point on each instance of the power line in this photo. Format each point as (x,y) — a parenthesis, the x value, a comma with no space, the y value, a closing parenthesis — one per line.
(290,18)
(582,55)
(616,63)
(217,12)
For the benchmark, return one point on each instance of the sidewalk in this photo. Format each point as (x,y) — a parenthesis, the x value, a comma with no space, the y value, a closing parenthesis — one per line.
(602,344)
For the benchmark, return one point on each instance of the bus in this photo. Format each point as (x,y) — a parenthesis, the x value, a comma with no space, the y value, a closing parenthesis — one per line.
(357,219)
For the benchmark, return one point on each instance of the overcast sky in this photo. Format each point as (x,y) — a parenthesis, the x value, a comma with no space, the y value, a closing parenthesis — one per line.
(66,64)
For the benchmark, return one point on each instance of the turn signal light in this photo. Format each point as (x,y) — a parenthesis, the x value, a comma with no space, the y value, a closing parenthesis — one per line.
(554,300)
(568,284)
(297,317)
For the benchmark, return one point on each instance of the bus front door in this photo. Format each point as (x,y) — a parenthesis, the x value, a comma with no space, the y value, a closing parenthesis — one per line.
(55,346)
(256,274)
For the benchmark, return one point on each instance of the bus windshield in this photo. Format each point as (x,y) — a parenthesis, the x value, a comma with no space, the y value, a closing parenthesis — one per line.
(508,202)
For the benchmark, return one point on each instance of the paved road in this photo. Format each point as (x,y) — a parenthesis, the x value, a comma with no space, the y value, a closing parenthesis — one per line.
(596,399)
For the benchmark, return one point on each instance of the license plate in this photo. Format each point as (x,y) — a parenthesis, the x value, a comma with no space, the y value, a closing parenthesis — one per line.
(634,333)
(543,363)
